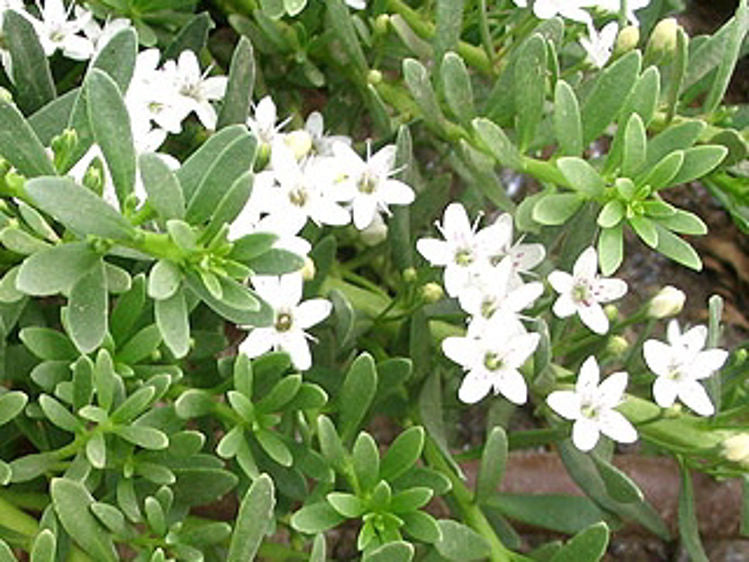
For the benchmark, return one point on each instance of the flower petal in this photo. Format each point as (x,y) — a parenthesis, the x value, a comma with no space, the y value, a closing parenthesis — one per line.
(436,252)
(561,281)
(614,425)
(665,391)
(588,377)
(594,318)
(257,342)
(585,434)
(312,312)
(564,307)
(658,356)
(611,390)
(565,403)
(455,224)
(463,351)
(512,386)
(693,339)
(607,290)
(586,265)
(706,363)
(474,387)
(295,344)
(693,394)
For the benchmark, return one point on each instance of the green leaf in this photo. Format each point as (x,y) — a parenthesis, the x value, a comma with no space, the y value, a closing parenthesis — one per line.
(417,81)
(155,515)
(238,94)
(456,84)
(136,403)
(559,513)
(20,241)
(293,7)
(43,549)
(461,543)
(493,463)
(274,446)
(276,262)
(255,514)
(31,74)
(96,450)
(366,460)
(6,554)
(698,162)
(146,437)
(496,142)
(410,499)
(59,414)
(609,95)
(340,19)
(530,88)
(71,501)
(117,57)
(348,505)
(19,145)
(678,72)
(174,324)
(449,24)
(162,187)
(661,174)
(78,208)
(127,310)
(567,122)
(356,395)
(28,467)
(193,403)
(316,518)
(192,36)
(318,553)
(730,56)
(645,229)
(88,309)
(47,344)
(231,204)
(677,249)
(12,403)
(403,453)
(330,443)
(110,122)
(421,526)
(111,517)
(619,486)
(163,280)
(611,249)
(635,142)
(229,164)
(676,137)
(396,551)
(6,475)
(557,208)
(588,545)
(582,176)
(200,486)
(611,214)
(684,222)
(281,393)
(140,346)
(8,291)
(104,379)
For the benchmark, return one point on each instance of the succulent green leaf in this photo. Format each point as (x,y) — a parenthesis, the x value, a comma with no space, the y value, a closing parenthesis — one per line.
(366,460)
(635,146)
(496,142)
(44,547)
(162,187)
(348,505)
(88,309)
(96,450)
(530,88)
(395,551)
(403,453)
(12,403)
(461,543)
(582,176)
(174,324)
(19,145)
(456,83)
(698,162)
(493,463)
(249,530)
(239,88)
(356,395)
(677,249)
(589,545)
(557,208)
(567,124)
(645,229)
(662,173)
(146,437)
(48,344)
(684,222)
(316,518)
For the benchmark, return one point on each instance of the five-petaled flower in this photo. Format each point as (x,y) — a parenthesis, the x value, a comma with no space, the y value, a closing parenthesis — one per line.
(591,406)
(584,291)
(680,364)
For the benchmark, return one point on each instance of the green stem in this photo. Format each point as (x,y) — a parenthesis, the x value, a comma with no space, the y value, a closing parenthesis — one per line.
(471,513)
(473,55)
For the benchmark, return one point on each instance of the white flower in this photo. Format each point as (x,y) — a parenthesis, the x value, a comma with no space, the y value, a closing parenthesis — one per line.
(322,144)
(375,233)
(99,35)
(570,9)
(55,31)
(194,90)
(497,295)
(524,256)
(464,252)
(291,319)
(357,4)
(736,449)
(600,44)
(668,302)
(263,124)
(680,364)
(370,183)
(492,361)
(591,406)
(615,6)
(152,97)
(584,290)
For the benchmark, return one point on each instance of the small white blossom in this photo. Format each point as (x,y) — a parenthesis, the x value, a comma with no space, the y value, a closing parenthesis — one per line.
(99,35)
(680,364)
(291,319)
(614,6)
(668,302)
(524,256)
(570,9)
(493,360)
(584,291)
(264,122)
(322,144)
(55,31)
(357,4)
(591,406)
(370,183)
(599,45)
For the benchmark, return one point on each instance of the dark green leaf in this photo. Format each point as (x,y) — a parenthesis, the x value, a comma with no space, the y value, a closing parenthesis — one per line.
(493,462)
(496,142)
(417,81)
(316,518)
(618,484)
(661,174)
(366,460)
(330,443)
(341,21)
(559,513)
(12,403)
(461,543)
(48,344)
(635,141)
(530,88)
(276,262)
(588,545)
(111,517)
(231,204)
(274,446)
(729,58)
(236,105)
(88,309)
(117,57)
(249,530)
(19,145)
(140,346)
(676,137)
(698,162)
(356,395)
(146,437)
(403,453)
(567,124)
(127,310)
(456,83)
(192,36)
(449,23)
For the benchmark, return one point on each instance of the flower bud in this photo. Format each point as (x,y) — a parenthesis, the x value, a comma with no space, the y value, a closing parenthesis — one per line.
(94,176)
(5,95)
(382,23)
(374,76)
(736,449)
(617,345)
(376,232)
(300,143)
(409,275)
(627,40)
(674,411)
(432,292)
(612,313)
(663,40)
(668,302)
(308,269)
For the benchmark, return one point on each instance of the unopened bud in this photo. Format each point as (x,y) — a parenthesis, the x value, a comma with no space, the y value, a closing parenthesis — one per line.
(376,232)
(674,411)
(627,40)
(14,181)
(308,269)
(736,449)
(374,76)
(617,345)
(94,176)
(382,23)
(668,302)
(5,95)
(612,313)
(662,40)
(409,275)
(300,143)
(432,292)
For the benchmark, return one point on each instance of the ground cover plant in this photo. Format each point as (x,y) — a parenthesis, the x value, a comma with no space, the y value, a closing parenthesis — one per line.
(239,239)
